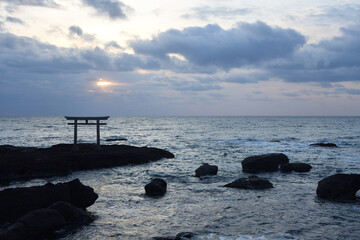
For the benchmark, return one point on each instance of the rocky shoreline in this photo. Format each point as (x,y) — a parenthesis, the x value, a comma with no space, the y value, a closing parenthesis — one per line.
(24,163)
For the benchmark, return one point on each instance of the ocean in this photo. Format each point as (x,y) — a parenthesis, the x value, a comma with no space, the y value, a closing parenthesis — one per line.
(290,210)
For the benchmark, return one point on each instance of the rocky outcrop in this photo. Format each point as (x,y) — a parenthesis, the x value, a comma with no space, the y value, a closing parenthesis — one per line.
(296,167)
(339,187)
(16,202)
(264,163)
(21,163)
(323,145)
(157,187)
(43,222)
(206,169)
(251,182)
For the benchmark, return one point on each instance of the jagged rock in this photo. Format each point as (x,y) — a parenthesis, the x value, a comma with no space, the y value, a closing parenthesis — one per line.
(16,202)
(251,182)
(206,169)
(324,145)
(34,225)
(339,187)
(20,163)
(264,163)
(296,167)
(157,187)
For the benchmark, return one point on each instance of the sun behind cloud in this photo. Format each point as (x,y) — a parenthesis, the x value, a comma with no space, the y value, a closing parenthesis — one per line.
(104,83)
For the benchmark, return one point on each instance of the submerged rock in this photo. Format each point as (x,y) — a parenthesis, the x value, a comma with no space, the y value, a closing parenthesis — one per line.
(20,163)
(264,163)
(206,169)
(251,182)
(157,187)
(296,167)
(324,145)
(179,236)
(339,187)
(16,202)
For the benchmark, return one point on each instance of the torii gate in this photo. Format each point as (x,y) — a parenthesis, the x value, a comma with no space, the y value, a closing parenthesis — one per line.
(86,122)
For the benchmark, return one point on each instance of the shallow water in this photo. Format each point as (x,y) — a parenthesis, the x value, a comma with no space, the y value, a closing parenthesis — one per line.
(290,210)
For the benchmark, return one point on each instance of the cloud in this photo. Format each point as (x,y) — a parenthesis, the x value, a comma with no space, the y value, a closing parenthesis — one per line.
(41,3)
(332,60)
(112,44)
(206,13)
(113,9)
(245,44)
(27,55)
(14,20)
(75,30)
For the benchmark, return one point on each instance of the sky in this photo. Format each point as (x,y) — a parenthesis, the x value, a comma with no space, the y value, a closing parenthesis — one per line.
(179,58)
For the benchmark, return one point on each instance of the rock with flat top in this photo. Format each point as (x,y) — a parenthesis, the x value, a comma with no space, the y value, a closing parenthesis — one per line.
(22,163)
(264,163)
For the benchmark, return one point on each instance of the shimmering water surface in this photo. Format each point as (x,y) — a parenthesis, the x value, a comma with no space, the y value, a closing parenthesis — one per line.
(290,210)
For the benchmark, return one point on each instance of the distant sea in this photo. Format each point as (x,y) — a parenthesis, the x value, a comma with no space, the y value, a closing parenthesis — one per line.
(290,210)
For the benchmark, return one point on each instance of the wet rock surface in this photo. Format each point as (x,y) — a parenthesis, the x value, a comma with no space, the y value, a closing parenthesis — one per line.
(264,163)
(206,169)
(157,187)
(296,167)
(22,163)
(251,182)
(323,145)
(339,187)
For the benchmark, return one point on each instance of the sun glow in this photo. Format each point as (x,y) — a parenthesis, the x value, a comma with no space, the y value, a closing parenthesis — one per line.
(103,83)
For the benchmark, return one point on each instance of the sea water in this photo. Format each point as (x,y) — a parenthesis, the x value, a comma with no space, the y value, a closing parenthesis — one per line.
(290,210)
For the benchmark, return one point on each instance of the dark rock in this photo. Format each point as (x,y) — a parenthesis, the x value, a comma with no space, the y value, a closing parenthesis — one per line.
(157,187)
(115,139)
(206,169)
(264,163)
(19,163)
(34,225)
(16,202)
(179,236)
(339,187)
(324,145)
(296,167)
(184,235)
(73,216)
(252,182)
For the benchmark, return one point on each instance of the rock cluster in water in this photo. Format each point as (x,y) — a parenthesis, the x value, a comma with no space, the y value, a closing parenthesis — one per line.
(36,212)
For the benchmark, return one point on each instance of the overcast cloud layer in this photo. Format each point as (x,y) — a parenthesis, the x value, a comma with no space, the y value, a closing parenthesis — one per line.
(176,70)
